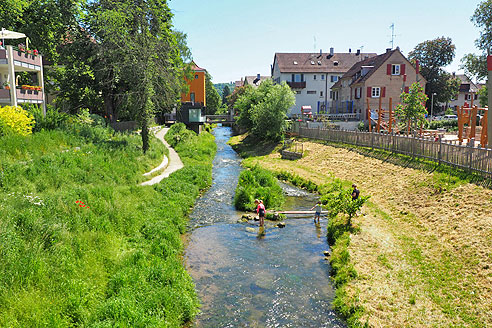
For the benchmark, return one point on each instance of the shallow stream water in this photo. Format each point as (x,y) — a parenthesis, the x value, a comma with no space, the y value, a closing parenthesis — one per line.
(244,279)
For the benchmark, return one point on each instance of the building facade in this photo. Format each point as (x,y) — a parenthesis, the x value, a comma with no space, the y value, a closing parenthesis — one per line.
(15,60)
(468,93)
(196,94)
(311,75)
(375,79)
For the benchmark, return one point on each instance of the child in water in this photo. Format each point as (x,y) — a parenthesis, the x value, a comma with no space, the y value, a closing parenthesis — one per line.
(260,209)
(317,208)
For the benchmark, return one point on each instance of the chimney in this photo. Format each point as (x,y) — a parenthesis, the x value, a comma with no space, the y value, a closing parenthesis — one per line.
(358,52)
(258,76)
(388,50)
(350,50)
(320,52)
(332,51)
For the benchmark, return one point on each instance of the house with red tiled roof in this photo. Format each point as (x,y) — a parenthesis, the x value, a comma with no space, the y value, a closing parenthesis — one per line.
(255,80)
(468,93)
(311,75)
(384,76)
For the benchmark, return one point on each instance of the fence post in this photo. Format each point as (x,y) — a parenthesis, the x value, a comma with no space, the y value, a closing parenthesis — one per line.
(471,145)
(372,140)
(356,138)
(440,151)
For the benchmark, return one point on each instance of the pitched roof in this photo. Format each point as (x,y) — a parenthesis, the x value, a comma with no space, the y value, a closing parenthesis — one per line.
(375,62)
(316,62)
(238,84)
(466,84)
(250,79)
(196,68)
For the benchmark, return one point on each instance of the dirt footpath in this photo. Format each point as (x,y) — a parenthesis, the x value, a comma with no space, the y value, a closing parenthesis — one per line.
(424,253)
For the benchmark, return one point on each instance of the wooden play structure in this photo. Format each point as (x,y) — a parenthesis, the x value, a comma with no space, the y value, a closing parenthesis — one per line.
(386,117)
(468,116)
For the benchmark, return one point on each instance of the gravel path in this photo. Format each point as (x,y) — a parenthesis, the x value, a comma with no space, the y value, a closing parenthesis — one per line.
(172,164)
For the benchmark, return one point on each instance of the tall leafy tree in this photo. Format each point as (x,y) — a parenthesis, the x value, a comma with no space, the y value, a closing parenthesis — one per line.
(225,93)
(473,64)
(139,66)
(214,101)
(263,110)
(433,55)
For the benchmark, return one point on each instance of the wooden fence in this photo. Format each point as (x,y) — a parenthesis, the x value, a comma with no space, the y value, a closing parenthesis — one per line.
(466,157)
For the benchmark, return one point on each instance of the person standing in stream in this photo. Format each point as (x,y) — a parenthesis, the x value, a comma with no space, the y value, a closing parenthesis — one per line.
(318,211)
(260,209)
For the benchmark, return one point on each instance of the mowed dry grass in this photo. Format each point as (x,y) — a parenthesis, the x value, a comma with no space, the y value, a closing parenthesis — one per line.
(424,252)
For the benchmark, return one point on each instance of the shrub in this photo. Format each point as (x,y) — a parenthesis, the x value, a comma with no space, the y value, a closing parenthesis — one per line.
(257,183)
(53,119)
(15,121)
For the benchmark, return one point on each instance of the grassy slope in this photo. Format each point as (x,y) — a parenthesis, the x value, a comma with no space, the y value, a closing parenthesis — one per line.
(115,263)
(424,252)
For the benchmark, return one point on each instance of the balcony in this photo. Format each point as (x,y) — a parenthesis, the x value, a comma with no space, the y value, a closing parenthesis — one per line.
(29,96)
(297,85)
(22,59)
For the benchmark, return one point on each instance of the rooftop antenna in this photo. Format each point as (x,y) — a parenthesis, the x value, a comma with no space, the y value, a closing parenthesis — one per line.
(393,35)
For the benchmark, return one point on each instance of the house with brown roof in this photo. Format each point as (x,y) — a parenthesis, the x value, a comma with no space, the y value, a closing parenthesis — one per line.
(468,93)
(311,75)
(384,76)
(255,81)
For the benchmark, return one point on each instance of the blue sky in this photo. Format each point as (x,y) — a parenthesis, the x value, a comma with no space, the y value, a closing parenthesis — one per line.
(234,38)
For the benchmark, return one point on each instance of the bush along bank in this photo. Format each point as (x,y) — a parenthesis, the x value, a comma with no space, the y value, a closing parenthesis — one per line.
(81,243)
(258,183)
(341,210)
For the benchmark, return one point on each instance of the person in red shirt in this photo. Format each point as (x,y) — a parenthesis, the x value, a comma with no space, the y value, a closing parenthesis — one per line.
(260,209)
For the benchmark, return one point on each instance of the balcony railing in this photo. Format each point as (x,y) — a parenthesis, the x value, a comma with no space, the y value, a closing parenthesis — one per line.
(26,58)
(5,94)
(297,85)
(32,96)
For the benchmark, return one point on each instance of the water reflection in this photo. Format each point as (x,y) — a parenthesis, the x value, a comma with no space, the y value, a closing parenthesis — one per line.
(248,279)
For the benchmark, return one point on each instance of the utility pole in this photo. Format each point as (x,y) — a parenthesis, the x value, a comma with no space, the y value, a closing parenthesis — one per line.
(432,104)
(489,87)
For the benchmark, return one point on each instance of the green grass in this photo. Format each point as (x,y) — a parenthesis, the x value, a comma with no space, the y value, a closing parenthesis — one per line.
(114,263)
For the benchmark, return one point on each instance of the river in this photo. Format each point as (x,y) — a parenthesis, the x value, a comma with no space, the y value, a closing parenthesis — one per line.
(244,279)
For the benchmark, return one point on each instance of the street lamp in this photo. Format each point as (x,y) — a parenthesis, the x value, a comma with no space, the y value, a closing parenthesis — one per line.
(432,103)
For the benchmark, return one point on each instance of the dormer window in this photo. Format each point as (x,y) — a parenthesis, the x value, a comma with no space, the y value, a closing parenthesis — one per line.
(395,69)
(335,63)
(295,63)
(312,62)
(319,62)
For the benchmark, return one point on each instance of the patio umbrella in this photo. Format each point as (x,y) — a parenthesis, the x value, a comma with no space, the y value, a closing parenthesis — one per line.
(6,34)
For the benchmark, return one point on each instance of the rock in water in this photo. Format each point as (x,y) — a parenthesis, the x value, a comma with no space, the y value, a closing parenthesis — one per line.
(327,253)
(281,224)
(249,229)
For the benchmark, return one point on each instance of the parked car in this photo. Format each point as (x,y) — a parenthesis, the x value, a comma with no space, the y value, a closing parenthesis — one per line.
(450,117)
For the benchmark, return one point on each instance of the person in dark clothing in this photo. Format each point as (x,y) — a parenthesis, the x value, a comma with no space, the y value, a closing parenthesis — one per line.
(355,192)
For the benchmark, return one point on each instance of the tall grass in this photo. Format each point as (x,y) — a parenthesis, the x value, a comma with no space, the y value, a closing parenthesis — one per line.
(114,262)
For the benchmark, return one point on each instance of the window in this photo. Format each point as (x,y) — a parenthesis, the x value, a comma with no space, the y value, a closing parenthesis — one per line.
(334,78)
(476,97)
(322,77)
(321,93)
(358,92)
(395,69)
(196,77)
(331,94)
(298,77)
(314,77)
(192,97)
(376,91)
(311,92)
(467,97)
(298,92)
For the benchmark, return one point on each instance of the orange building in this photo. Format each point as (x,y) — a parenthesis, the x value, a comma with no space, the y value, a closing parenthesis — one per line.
(196,95)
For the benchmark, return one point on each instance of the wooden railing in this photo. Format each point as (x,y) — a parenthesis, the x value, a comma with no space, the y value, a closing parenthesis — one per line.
(467,156)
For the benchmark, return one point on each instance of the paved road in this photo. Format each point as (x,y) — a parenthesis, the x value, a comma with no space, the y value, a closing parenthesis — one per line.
(173,164)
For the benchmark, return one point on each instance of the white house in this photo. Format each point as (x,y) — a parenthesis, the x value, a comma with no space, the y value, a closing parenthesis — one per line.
(468,93)
(311,75)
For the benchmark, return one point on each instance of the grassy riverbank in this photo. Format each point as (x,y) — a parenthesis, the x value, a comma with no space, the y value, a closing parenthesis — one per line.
(114,262)
(423,252)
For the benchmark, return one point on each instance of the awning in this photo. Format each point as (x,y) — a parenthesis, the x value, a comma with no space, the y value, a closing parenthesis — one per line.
(6,34)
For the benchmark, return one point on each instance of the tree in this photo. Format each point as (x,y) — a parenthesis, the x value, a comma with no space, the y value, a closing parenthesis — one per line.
(214,102)
(140,64)
(433,55)
(263,110)
(412,109)
(225,93)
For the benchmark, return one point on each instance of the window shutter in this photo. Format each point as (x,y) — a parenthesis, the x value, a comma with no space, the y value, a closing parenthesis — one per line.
(383,92)
(402,70)
(302,77)
(407,89)
(388,69)
(293,78)
(369,92)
